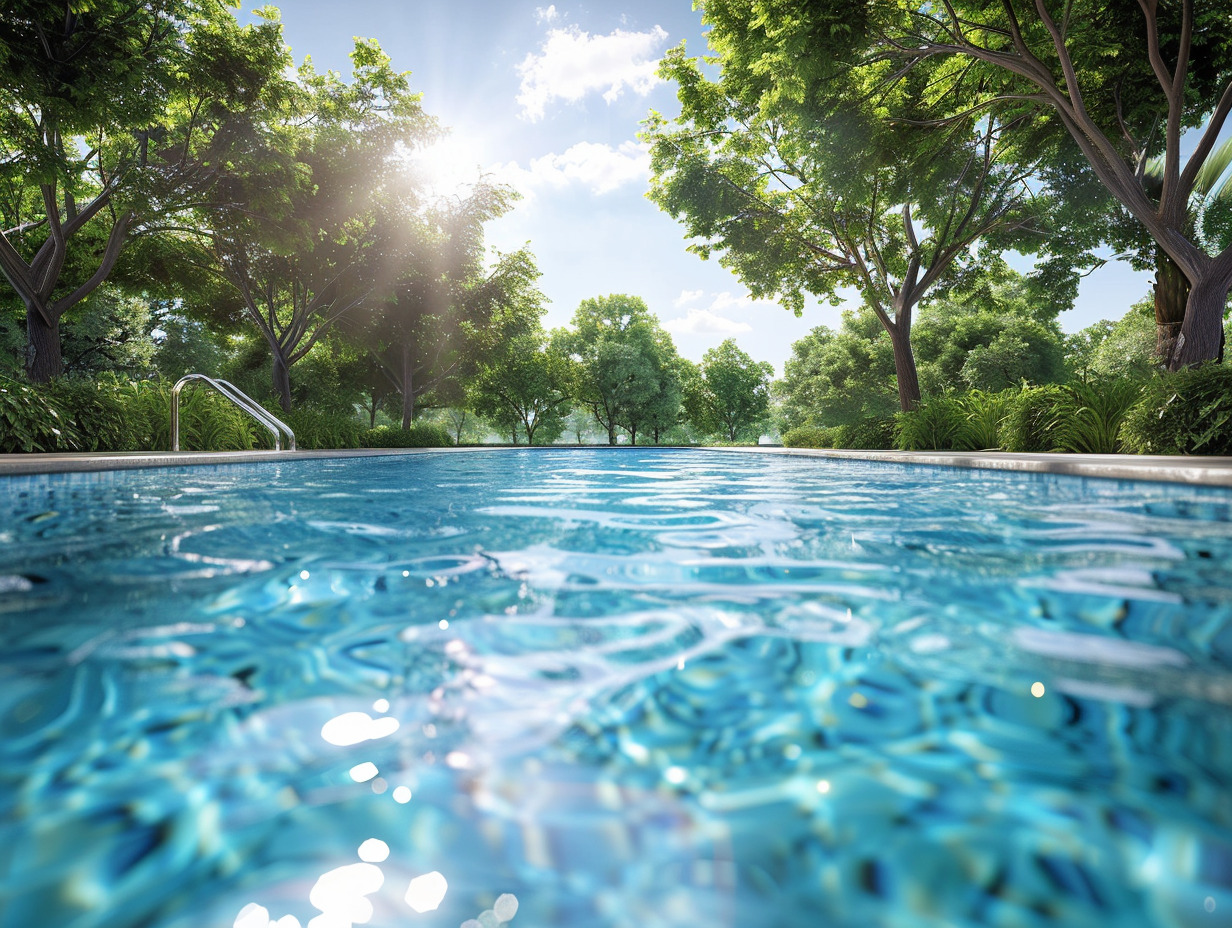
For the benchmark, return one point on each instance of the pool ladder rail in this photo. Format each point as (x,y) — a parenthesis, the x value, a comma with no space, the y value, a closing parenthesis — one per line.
(240,399)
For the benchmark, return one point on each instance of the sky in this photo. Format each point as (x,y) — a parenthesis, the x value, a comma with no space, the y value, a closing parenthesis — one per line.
(549,97)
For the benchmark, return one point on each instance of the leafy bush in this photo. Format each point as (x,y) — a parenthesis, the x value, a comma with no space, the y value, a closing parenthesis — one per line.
(208,422)
(419,435)
(98,413)
(1089,417)
(29,422)
(937,424)
(810,436)
(1189,412)
(870,434)
(986,412)
(1031,420)
(322,429)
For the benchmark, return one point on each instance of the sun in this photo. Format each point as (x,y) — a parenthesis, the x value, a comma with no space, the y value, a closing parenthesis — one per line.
(452,164)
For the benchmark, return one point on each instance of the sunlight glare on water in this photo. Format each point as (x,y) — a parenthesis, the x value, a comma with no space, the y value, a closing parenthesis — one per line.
(613,688)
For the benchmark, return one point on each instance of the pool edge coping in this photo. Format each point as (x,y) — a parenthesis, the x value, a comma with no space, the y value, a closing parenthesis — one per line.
(1198,471)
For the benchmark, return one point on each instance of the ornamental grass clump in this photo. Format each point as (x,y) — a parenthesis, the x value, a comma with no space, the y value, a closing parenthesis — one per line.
(1189,412)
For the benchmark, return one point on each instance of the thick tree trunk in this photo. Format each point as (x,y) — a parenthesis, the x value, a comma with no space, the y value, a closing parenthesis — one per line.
(43,359)
(408,388)
(1171,295)
(1201,336)
(611,434)
(282,381)
(904,367)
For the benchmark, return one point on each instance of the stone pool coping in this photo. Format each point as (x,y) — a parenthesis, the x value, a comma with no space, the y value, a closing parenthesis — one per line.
(1203,471)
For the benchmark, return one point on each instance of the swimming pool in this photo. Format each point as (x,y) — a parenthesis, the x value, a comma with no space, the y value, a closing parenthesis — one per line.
(613,688)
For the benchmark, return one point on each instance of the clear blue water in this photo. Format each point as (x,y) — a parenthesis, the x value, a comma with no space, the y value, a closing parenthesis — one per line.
(623,688)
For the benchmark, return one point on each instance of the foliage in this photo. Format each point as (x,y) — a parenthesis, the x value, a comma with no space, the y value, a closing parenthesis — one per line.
(114,118)
(810,436)
(986,413)
(1031,422)
(732,395)
(805,173)
(955,422)
(322,429)
(30,422)
(1189,412)
(520,382)
(419,435)
(988,338)
(1089,415)
(939,423)
(870,434)
(622,366)
(108,414)
(833,378)
(1125,348)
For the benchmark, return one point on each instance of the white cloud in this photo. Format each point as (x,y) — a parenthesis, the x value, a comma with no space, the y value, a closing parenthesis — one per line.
(573,63)
(547,15)
(704,322)
(688,296)
(599,168)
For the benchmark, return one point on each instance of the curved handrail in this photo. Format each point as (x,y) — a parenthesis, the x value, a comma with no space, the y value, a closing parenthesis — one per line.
(237,396)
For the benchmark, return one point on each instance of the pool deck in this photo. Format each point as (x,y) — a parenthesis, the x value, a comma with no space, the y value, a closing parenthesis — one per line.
(1205,471)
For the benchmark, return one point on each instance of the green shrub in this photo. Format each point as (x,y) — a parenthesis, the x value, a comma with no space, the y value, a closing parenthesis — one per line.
(419,435)
(1031,421)
(986,413)
(29,422)
(1089,417)
(322,429)
(937,424)
(98,412)
(870,434)
(1189,412)
(208,422)
(810,436)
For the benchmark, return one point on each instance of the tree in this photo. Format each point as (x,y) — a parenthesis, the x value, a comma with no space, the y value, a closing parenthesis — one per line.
(113,118)
(621,365)
(313,224)
(520,382)
(735,395)
(422,337)
(838,378)
(1124,82)
(812,197)
(990,337)
(1124,348)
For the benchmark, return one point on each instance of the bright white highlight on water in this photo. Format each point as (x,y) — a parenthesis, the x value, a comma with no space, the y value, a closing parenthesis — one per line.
(373,851)
(252,916)
(354,727)
(506,906)
(381,705)
(823,786)
(1037,689)
(340,893)
(304,575)
(675,775)
(427,892)
(362,773)
(402,795)
(442,624)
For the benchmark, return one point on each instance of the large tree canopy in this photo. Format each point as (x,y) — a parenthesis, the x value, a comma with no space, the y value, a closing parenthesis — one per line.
(315,221)
(809,192)
(114,117)
(1122,80)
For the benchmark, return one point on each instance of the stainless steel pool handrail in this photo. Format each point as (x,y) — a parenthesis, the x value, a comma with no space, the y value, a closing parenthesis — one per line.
(237,396)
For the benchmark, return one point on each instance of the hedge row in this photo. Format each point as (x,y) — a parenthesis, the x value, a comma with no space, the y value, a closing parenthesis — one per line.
(1184,413)
(109,414)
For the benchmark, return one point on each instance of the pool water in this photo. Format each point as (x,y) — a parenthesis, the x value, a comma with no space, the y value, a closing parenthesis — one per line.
(613,688)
